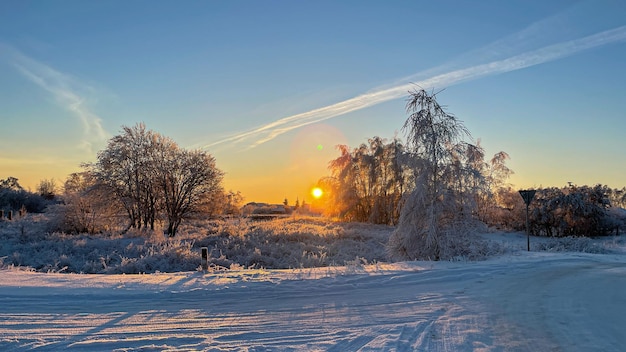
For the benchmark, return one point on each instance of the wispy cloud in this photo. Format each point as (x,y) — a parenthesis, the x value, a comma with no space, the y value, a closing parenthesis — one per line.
(66,91)
(545,54)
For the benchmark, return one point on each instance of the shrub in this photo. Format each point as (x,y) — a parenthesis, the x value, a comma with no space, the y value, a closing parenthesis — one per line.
(571,211)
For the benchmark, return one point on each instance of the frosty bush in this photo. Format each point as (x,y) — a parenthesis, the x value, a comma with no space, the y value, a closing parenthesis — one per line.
(506,210)
(293,243)
(571,244)
(572,211)
(14,198)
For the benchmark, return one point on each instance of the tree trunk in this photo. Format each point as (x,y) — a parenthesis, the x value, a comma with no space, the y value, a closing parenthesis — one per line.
(172,226)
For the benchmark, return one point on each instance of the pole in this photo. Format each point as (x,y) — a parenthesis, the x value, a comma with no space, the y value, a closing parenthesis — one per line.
(527,196)
(527,230)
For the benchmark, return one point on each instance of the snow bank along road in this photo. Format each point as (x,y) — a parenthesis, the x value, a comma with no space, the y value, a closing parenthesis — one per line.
(522,302)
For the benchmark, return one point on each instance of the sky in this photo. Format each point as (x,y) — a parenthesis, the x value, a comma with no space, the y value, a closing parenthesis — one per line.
(269,88)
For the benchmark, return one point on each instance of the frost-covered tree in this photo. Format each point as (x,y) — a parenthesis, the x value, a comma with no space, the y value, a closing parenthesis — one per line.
(571,211)
(507,210)
(151,176)
(87,206)
(10,183)
(47,189)
(188,180)
(438,211)
(486,179)
(126,167)
(230,203)
(343,185)
(14,197)
(617,196)
(368,182)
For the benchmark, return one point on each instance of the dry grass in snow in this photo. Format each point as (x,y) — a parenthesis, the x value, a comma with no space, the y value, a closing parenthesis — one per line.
(237,243)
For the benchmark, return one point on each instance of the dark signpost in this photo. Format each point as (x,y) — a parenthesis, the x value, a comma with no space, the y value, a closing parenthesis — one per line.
(527,196)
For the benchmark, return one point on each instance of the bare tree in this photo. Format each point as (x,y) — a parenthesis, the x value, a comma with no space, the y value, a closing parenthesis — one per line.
(11,183)
(496,173)
(47,189)
(150,175)
(187,179)
(87,205)
(125,166)
(232,203)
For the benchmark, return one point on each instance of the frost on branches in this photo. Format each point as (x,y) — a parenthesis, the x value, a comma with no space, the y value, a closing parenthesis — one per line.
(436,220)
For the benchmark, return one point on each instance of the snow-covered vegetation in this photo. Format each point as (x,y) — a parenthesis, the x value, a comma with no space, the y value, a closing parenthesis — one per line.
(294,242)
(14,198)
(239,243)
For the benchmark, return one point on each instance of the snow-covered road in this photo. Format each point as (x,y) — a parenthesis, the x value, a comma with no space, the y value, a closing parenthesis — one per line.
(573,305)
(522,302)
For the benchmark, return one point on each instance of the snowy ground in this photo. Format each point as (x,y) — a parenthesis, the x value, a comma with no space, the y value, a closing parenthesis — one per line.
(522,301)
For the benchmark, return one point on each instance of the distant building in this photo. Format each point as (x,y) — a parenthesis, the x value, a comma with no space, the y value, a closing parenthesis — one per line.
(254,208)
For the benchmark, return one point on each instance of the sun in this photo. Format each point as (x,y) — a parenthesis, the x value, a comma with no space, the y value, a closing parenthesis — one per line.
(317,192)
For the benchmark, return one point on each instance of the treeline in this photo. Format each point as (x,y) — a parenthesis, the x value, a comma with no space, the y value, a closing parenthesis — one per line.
(371,182)
(558,212)
(438,188)
(576,211)
(14,198)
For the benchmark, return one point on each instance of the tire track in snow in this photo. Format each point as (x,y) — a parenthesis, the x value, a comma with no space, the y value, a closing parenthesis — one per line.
(453,307)
(352,317)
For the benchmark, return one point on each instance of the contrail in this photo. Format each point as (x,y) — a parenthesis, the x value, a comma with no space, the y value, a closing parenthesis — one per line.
(545,54)
(64,89)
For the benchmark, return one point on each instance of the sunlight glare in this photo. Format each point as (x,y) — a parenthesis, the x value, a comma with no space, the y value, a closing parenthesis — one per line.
(317,192)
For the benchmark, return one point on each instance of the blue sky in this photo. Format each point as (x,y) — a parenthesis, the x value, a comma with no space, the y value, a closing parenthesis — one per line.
(262,84)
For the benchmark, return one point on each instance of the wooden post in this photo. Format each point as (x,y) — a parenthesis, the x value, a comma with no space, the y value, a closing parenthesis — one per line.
(10,215)
(205,258)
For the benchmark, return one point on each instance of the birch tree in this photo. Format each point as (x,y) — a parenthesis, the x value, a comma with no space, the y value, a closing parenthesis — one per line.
(434,211)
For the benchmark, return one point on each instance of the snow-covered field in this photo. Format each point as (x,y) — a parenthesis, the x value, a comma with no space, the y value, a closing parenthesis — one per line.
(520,301)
